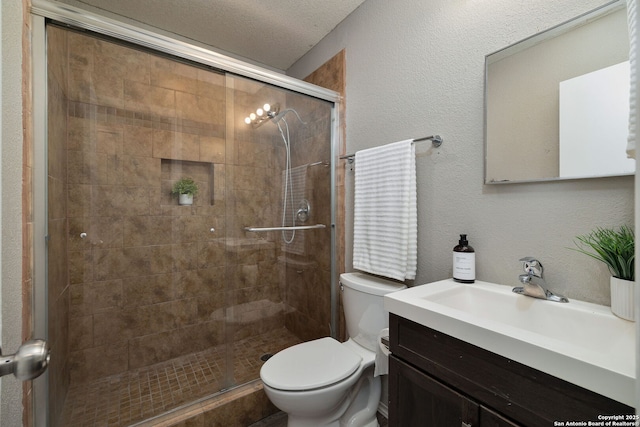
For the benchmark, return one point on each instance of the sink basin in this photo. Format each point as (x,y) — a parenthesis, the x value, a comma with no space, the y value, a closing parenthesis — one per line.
(579,342)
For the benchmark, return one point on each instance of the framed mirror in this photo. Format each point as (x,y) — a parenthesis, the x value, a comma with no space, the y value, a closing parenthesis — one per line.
(557,103)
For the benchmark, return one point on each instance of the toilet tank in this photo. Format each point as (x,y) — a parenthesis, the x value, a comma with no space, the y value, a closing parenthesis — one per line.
(362,298)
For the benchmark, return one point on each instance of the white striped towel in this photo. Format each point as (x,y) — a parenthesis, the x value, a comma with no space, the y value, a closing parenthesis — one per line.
(634,45)
(385,231)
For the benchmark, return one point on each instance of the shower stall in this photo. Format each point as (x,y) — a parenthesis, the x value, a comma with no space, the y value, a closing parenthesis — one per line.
(151,304)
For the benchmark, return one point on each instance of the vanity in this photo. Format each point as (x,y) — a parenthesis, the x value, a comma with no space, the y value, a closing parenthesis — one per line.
(481,355)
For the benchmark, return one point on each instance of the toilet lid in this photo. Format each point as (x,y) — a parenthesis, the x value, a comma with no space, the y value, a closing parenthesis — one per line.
(310,365)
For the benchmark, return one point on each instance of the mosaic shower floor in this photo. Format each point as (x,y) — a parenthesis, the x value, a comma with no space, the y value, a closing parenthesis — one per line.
(124,399)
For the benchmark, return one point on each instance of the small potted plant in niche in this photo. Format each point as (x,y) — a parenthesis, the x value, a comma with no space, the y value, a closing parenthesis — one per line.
(185,188)
(616,248)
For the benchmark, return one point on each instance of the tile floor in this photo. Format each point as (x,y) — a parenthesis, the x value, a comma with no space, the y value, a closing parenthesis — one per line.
(124,399)
(280,420)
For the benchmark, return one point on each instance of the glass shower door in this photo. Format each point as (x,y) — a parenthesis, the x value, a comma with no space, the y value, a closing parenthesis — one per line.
(153,304)
(136,281)
(278,281)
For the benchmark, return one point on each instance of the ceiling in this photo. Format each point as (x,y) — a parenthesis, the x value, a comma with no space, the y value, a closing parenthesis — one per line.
(275,33)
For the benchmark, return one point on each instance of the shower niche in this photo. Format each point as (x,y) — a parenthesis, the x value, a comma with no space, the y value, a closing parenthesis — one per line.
(202,173)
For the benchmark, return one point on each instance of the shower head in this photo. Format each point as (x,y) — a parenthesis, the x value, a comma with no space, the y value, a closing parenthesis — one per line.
(269,112)
(263,114)
(277,117)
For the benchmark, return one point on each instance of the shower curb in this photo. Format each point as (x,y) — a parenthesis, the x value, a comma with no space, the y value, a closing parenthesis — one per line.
(207,407)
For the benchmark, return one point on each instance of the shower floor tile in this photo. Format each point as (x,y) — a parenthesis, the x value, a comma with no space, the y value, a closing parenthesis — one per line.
(130,397)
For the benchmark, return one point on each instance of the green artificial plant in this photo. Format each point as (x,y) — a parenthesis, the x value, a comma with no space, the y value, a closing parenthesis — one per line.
(185,186)
(616,248)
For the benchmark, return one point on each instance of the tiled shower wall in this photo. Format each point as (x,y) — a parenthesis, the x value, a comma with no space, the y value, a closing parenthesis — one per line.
(153,280)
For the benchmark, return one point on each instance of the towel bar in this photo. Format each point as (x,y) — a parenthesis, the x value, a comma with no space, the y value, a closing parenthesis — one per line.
(436,140)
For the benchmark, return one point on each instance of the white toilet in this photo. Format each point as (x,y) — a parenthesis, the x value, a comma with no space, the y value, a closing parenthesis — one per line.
(328,383)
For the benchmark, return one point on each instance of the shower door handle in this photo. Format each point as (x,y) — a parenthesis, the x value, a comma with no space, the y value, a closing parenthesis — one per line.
(286,228)
(31,360)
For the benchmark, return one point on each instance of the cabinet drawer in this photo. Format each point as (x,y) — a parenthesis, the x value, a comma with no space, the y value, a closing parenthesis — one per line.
(521,393)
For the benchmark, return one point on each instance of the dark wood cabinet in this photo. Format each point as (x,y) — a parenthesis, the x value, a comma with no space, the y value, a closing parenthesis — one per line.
(423,401)
(438,380)
(489,418)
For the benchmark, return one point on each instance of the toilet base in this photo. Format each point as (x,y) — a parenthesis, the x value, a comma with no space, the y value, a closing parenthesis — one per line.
(358,409)
(315,423)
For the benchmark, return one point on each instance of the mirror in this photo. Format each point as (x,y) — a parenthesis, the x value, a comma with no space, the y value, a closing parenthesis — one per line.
(536,90)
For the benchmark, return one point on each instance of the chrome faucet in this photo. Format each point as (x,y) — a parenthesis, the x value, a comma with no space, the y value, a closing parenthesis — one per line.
(534,284)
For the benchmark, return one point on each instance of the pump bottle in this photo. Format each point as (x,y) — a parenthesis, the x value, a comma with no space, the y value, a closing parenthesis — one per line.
(464,261)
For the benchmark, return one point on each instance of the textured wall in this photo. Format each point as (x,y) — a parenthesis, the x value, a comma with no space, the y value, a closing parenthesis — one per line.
(416,68)
(11,21)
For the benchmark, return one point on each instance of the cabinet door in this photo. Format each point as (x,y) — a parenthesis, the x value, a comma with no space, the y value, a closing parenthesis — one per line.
(489,418)
(416,399)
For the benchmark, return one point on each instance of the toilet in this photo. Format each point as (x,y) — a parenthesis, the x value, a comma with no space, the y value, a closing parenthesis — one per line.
(328,383)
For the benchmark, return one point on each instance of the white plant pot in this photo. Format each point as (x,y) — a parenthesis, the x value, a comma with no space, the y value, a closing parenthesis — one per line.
(185,199)
(623,298)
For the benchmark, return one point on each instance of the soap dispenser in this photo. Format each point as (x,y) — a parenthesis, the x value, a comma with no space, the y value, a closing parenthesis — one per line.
(464,261)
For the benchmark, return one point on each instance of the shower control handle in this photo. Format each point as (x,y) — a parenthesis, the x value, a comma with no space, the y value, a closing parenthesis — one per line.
(304,210)
(31,360)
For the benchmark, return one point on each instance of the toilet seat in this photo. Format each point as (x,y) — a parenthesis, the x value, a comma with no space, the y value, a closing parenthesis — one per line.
(310,365)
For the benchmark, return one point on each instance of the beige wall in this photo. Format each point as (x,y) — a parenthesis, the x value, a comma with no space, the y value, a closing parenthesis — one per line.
(420,71)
